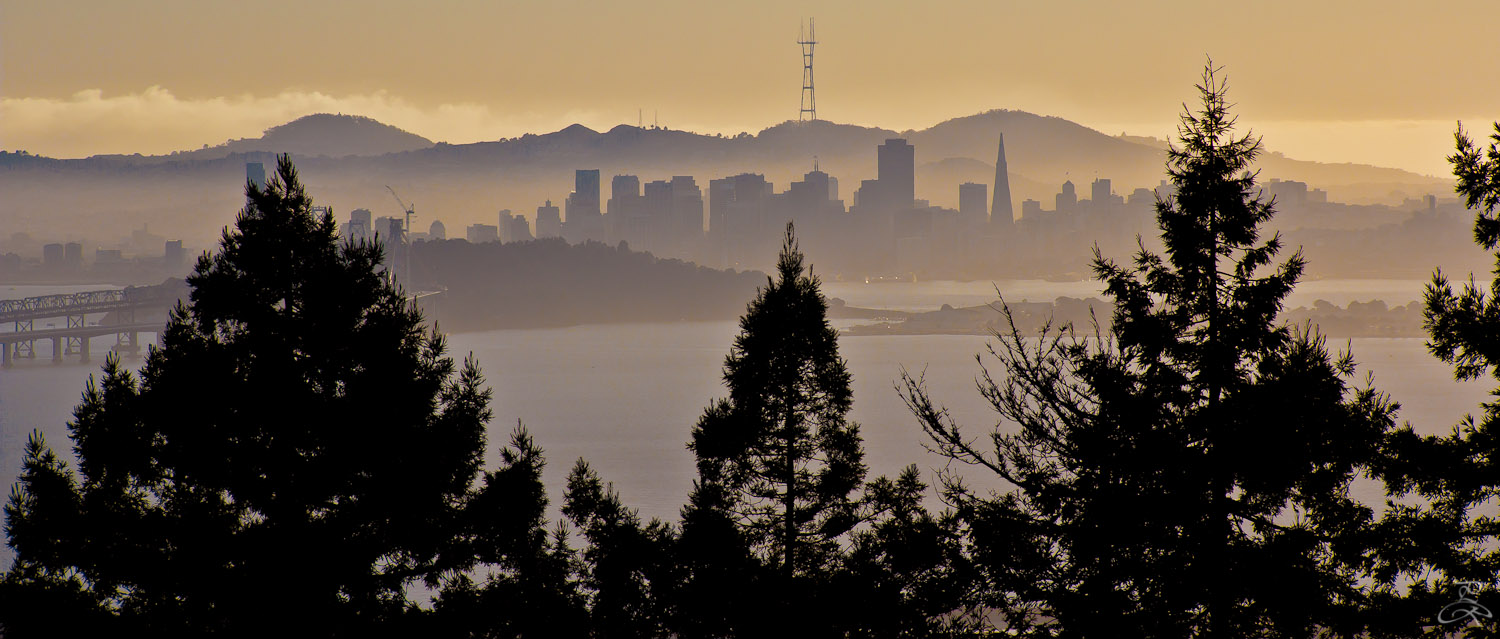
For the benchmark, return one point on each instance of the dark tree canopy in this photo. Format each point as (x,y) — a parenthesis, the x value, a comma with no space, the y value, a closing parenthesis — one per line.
(1188,473)
(299,447)
(1446,534)
(781,534)
(779,465)
(628,570)
(526,586)
(780,446)
(907,574)
(1462,325)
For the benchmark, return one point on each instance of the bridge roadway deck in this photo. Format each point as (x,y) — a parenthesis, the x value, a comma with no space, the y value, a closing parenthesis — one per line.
(20,342)
(125,313)
(85,303)
(82,334)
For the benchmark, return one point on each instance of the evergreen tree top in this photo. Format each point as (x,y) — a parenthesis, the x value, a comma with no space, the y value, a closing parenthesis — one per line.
(785,337)
(1208,305)
(1189,477)
(1210,167)
(780,449)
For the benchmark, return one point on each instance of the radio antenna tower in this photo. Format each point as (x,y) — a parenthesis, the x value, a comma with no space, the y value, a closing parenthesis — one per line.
(807,39)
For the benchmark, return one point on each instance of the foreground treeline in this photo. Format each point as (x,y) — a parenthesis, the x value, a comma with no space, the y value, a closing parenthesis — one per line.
(300,455)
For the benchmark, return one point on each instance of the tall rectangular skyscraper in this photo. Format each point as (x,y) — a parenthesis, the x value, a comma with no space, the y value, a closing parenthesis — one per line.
(972,206)
(1067,199)
(548,221)
(583,203)
(687,207)
(897,173)
(1100,193)
(624,190)
(173,257)
(720,194)
(583,219)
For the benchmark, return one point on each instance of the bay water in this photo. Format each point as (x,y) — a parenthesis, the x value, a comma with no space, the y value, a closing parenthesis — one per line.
(625,397)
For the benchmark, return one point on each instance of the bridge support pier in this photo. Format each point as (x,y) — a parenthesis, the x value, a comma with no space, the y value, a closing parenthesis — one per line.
(75,344)
(118,307)
(126,343)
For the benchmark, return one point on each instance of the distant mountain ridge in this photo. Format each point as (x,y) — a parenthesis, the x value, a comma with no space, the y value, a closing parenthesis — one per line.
(1044,149)
(321,134)
(348,160)
(1038,146)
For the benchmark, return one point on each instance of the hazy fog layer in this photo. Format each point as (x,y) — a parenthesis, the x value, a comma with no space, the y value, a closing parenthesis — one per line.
(1379,82)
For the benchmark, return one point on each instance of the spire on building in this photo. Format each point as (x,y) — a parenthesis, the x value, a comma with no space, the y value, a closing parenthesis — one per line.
(1000,210)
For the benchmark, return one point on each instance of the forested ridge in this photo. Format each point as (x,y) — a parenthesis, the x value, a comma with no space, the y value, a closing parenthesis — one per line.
(545,283)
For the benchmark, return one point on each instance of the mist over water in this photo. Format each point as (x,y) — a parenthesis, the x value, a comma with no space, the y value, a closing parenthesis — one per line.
(625,396)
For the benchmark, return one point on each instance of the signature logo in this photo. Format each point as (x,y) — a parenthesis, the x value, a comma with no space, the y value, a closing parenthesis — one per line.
(1466,609)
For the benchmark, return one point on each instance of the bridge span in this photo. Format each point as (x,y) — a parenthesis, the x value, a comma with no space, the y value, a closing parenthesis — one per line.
(124,313)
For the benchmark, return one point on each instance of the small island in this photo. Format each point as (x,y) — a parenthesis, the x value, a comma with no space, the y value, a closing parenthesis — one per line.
(550,283)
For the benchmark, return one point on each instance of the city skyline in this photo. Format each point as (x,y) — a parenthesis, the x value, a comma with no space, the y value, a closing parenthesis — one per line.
(1375,86)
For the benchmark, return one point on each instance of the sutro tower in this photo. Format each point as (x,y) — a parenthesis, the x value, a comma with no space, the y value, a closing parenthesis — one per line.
(809,101)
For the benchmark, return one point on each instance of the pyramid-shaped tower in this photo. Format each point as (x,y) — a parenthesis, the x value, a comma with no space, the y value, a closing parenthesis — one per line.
(1001,214)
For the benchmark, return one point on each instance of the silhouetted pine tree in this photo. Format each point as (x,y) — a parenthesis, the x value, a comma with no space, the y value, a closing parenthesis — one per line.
(778,458)
(294,455)
(628,570)
(528,586)
(907,574)
(724,590)
(1445,532)
(1188,474)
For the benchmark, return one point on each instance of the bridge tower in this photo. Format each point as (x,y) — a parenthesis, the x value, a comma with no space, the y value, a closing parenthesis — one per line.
(76,344)
(23,349)
(126,342)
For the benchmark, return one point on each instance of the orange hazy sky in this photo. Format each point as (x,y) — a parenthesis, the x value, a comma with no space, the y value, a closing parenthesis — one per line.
(1375,81)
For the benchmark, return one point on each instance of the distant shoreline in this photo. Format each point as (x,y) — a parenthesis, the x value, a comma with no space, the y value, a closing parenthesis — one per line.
(1357,319)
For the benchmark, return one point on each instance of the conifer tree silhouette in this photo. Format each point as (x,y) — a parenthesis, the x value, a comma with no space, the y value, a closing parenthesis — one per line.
(1443,532)
(1186,474)
(778,458)
(299,448)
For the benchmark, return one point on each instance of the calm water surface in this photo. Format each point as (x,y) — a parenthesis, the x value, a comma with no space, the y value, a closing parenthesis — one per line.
(625,397)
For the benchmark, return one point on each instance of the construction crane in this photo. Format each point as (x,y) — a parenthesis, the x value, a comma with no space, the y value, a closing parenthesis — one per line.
(406,231)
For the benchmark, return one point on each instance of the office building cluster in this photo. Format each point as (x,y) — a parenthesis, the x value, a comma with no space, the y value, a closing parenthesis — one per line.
(886,231)
(143,255)
(739,224)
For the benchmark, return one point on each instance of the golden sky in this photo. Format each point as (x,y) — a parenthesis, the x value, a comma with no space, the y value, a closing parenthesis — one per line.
(1374,81)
